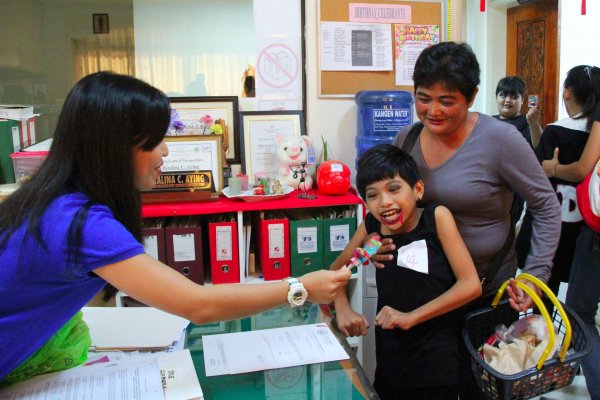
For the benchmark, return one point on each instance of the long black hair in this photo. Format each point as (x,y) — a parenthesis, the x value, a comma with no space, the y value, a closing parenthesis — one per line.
(583,81)
(105,117)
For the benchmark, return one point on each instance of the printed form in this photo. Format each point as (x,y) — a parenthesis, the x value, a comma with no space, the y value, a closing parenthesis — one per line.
(239,352)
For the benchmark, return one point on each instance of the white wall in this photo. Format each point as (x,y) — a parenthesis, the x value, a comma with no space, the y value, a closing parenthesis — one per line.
(577,39)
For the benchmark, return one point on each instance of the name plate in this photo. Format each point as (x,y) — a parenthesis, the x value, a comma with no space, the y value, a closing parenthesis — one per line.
(185,180)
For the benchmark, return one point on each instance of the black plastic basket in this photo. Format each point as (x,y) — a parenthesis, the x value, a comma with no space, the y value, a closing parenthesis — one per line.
(481,324)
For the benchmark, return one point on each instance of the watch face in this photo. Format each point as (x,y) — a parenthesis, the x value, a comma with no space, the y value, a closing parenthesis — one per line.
(297,295)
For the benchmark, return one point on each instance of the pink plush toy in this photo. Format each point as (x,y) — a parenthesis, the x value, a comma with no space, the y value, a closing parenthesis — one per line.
(292,158)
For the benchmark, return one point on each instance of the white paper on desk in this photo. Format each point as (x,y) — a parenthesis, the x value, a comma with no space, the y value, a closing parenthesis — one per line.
(130,328)
(135,379)
(239,352)
(178,375)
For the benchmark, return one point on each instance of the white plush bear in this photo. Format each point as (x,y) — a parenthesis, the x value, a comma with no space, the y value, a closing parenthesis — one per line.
(292,155)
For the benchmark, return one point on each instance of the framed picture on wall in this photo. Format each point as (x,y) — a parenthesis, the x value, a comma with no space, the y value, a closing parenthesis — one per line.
(100,23)
(207,116)
(259,131)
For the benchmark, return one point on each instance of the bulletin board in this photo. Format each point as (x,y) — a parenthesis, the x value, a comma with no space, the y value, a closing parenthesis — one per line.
(348,83)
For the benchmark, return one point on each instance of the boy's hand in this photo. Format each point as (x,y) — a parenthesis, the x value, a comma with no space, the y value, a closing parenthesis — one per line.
(383,253)
(350,322)
(389,318)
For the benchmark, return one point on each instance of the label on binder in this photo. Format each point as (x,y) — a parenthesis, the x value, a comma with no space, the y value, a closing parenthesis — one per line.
(339,236)
(183,247)
(224,243)
(276,237)
(307,240)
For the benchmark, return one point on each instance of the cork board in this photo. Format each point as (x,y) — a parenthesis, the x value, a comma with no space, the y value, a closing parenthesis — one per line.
(348,83)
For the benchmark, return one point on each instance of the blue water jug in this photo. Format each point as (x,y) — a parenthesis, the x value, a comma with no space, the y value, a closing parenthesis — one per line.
(380,116)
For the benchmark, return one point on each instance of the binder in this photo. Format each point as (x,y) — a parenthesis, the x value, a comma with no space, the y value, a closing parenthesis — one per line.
(9,143)
(306,242)
(338,229)
(224,257)
(183,243)
(273,236)
(154,238)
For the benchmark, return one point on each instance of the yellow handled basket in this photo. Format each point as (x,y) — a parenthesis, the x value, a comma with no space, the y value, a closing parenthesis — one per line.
(547,375)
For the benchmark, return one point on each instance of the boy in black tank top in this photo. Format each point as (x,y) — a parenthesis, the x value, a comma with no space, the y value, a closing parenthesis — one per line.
(431,275)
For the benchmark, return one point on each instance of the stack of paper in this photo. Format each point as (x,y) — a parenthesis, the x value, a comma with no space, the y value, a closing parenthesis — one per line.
(132,328)
(155,376)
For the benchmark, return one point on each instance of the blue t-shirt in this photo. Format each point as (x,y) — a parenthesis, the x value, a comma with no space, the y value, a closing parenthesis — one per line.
(40,289)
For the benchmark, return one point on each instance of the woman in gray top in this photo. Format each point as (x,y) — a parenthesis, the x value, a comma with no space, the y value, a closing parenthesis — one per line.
(473,164)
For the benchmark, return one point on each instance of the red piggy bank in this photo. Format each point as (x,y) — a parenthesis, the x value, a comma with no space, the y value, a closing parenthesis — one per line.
(333,177)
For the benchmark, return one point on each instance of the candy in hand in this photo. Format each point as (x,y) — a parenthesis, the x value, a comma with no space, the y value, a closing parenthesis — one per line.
(363,254)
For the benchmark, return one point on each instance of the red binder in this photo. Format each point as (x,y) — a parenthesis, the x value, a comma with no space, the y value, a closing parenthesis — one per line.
(154,242)
(224,257)
(274,247)
(184,251)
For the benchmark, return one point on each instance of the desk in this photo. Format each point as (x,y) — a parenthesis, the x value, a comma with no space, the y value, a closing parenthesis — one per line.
(331,380)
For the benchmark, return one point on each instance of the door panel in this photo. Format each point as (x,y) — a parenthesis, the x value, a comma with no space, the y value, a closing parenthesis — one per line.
(532,52)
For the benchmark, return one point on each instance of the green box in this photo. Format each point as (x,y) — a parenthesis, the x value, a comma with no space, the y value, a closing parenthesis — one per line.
(9,143)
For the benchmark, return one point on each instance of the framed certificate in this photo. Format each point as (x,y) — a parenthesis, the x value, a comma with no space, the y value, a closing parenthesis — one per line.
(208,116)
(192,171)
(259,130)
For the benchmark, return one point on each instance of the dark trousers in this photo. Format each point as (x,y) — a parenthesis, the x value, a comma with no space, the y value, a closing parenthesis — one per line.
(386,392)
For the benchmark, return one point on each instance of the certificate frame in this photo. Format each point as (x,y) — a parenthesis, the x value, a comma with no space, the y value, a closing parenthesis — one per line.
(192,171)
(190,110)
(259,129)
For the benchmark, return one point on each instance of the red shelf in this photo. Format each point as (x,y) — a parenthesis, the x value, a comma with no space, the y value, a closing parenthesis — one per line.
(225,205)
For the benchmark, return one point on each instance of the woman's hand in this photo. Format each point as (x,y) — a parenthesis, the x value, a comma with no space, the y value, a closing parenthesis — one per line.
(549,166)
(390,318)
(350,322)
(383,253)
(324,286)
(518,299)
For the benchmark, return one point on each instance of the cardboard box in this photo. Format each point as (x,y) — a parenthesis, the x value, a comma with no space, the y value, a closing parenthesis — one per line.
(27,134)
(15,111)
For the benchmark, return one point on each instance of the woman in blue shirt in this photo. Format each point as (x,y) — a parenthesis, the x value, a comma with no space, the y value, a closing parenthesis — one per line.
(76,226)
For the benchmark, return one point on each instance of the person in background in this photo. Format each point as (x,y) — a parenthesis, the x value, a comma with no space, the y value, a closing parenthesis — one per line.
(472,164)
(510,94)
(583,292)
(581,92)
(431,275)
(76,226)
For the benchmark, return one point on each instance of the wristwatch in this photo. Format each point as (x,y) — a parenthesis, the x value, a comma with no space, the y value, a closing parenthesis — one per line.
(297,294)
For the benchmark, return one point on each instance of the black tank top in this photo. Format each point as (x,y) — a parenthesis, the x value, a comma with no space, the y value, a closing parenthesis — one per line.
(427,354)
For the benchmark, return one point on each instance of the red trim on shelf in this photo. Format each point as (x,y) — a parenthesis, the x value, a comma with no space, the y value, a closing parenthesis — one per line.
(225,205)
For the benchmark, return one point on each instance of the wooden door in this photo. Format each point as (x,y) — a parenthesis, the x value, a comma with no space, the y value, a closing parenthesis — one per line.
(532,53)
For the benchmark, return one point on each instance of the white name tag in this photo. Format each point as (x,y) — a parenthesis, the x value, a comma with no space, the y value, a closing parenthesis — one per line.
(414,256)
